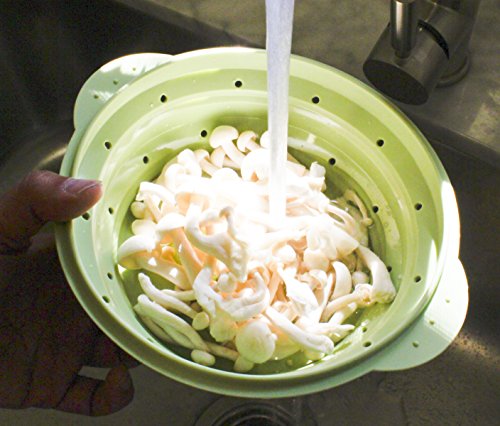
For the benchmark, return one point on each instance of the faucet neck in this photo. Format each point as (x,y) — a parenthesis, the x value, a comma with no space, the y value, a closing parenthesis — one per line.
(425,45)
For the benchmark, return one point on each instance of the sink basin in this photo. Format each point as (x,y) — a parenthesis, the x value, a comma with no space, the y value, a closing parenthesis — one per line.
(47,54)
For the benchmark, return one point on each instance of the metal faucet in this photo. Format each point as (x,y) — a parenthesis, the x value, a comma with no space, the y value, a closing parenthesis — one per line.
(425,45)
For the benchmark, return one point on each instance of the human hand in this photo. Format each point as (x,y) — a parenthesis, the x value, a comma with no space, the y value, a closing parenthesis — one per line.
(45,336)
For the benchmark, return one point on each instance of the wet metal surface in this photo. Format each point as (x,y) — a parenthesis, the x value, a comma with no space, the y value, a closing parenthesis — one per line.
(40,77)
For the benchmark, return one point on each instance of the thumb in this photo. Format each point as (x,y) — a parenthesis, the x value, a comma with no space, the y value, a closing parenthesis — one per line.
(40,197)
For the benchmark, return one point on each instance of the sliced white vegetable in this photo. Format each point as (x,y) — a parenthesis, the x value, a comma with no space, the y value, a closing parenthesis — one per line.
(243,365)
(383,289)
(359,277)
(263,290)
(138,209)
(205,294)
(165,300)
(299,293)
(351,196)
(217,157)
(171,271)
(255,341)
(255,165)
(185,296)
(286,254)
(313,356)
(310,341)
(361,296)
(201,321)
(317,170)
(348,223)
(202,357)
(223,327)
(203,158)
(153,189)
(133,246)
(172,176)
(325,235)
(188,160)
(285,347)
(264,140)
(163,317)
(225,246)
(179,338)
(226,282)
(247,305)
(157,330)
(322,293)
(247,141)
(316,259)
(343,280)
(187,255)
(222,351)
(223,136)
(341,315)
(335,332)
(144,227)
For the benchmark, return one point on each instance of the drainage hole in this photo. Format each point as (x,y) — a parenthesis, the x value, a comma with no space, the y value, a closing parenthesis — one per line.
(380,143)
(163,98)
(107,145)
(367,344)
(332,161)
(110,210)
(110,275)
(115,82)
(96,96)
(375,209)
(105,298)
(418,206)
(145,159)
(315,100)
(417,279)
(364,329)
(238,83)
(203,133)
(86,216)
(432,322)
(389,269)
(415,344)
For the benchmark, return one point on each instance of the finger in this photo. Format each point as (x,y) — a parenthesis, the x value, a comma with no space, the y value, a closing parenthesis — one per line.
(40,197)
(99,397)
(107,354)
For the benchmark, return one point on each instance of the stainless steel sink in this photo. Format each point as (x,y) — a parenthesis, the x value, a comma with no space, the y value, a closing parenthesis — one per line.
(46,54)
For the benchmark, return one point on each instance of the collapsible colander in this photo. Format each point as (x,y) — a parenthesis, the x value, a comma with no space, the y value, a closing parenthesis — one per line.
(138,112)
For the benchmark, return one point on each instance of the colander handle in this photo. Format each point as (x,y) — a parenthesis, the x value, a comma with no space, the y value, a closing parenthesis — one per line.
(108,80)
(435,329)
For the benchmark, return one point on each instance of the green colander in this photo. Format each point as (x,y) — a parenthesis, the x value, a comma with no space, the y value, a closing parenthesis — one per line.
(138,112)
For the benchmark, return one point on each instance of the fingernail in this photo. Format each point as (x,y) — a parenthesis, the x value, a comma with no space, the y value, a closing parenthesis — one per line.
(77,186)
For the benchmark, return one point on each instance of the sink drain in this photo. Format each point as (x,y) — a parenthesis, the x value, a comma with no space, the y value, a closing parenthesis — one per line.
(254,414)
(234,412)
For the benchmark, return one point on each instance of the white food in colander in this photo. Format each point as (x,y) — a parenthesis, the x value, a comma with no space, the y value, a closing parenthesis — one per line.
(263,290)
